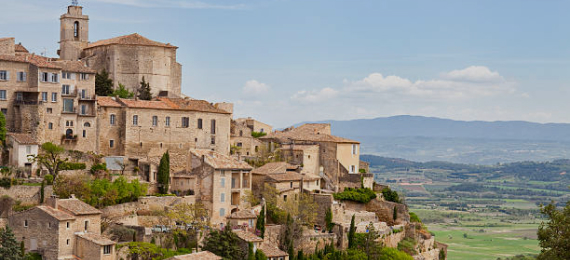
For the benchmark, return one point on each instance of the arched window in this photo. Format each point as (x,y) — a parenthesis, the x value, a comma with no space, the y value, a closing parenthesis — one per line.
(69,134)
(87,124)
(76,29)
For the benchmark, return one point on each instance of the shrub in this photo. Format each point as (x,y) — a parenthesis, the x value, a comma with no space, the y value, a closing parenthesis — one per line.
(69,166)
(414,218)
(6,182)
(258,134)
(362,195)
(390,195)
(49,179)
(98,167)
(408,245)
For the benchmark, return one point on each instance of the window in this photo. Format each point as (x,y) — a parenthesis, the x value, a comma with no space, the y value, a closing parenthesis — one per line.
(50,126)
(223,182)
(213,130)
(67,75)
(84,133)
(154,120)
(86,225)
(84,109)
(111,143)
(28,149)
(223,197)
(22,76)
(291,185)
(213,141)
(4,75)
(76,29)
(2,94)
(67,241)
(87,124)
(54,97)
(222,212)
(84,76)
(354,149)
(199,123)
(26,223)
(167,121)
(240,133)
(107,250)
(135,120)
(239,144)
(65,89)
(284,197)
(84,93)
(68,105)
(112,119)
(352,169)
(185,122)
(54,77)
(4,111)
(44,96)
(49,110)
(44,77)
(67,224)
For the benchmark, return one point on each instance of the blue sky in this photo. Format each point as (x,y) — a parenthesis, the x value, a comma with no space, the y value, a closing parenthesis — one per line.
(285,62)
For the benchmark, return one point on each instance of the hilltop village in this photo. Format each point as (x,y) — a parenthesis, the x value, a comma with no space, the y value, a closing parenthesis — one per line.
(105,158)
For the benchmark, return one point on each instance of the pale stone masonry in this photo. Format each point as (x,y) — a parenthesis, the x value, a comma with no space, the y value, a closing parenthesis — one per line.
(244,144)
(62,229)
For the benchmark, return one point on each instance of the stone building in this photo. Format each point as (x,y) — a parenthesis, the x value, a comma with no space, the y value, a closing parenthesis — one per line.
(202,255)
(127,58)
(313,146)
(20,146)
(50,100)
(245,219)
(241,140)
(221,183)
(62,229)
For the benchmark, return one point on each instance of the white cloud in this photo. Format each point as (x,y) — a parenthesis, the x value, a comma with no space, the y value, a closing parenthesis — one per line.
(474,74)
(314,96)
(186,4)
(254,87)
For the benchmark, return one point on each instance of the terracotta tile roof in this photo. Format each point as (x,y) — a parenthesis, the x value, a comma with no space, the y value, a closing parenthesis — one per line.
(23,138)
(220,161)
(97,239)
(310,177)
(107,101)
(77,207)
(131,39)
(247,236)
(271,250)
(288,176)
(193,105)
(56,213)
(274,167)
(243,214)
(307,132)
(204,255)
(40,61)
(20,48)
(74,66)
(153,104)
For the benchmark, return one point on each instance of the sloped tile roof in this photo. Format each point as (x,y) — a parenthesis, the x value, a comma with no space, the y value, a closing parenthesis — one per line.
(247,236)
(97,239)
(23,138)
(20,48)
(271,250)
(308,132)
(243,214)
(220,161)
(162,103)
(203,255)
(192,105)
(131,39)
(288,176)
(274,167)
(107,101)
(77,207)
(56,213)
(154,104)
(74,66)
(40,61)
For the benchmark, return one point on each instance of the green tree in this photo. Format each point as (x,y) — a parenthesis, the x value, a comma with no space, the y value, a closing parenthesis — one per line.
(554,235)
(144,90)
(103,84)
(351,233)
(50,157)
(164,173)
(370,246)
(328,220)
(2,128)
(388,253)
(224,243)
(250,254)
(10,248)
(395,214)
(260,225)
(42,192)
(122,92)
(259,255)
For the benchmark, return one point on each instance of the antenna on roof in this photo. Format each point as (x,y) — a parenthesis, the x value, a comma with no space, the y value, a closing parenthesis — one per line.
(74,2)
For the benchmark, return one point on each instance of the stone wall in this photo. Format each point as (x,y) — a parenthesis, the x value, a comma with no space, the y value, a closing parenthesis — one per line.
(7,46)
(26,194)
(324,202)
(311,240)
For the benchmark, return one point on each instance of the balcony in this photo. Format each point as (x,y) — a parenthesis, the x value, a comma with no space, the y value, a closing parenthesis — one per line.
(69,111)
(69,138)
(87,97)
(28,102)
(71,93)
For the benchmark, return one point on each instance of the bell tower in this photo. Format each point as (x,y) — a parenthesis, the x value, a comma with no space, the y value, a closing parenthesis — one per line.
(74,32)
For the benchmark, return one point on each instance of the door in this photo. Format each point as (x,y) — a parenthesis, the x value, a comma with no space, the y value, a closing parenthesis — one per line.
(33,244)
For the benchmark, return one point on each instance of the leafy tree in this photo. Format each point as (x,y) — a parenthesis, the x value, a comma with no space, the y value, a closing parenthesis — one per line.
(224,243)
(328,220)
(122,92)
(42,192)
(258,134)
(388,253)
(164,173)
(390,195)
(2,128)
(103,84)
(10,248)
(307,208)
(250,254)
(260,224)
(144,90)
(351,233)
(50,157)
(414,218)
(554,235)
(259,255)
(362,195)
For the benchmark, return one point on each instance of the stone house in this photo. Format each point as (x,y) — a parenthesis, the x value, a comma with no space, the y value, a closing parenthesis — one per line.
(143,130)
(221,183)
(241,136)
(243,219)
(62,229)
(203,255)
(127,58)
(20,146)
(50,100)
(272,252)
(337,158)
(285,178)
(247,237)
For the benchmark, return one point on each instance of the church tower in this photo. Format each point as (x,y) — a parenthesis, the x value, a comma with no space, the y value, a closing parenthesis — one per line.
(74,32)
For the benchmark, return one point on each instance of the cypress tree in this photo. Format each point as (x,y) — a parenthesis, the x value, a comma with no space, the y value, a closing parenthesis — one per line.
(260,225)
(250,254)
(328,220)
(395,216)
(351,233)
(164,173)
(144,90)
(103,84)
(42,196)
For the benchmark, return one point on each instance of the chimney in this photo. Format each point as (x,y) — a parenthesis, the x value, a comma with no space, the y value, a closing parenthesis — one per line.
(52,201)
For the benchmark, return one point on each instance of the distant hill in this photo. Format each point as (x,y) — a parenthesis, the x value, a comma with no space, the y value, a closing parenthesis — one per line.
(434,139)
